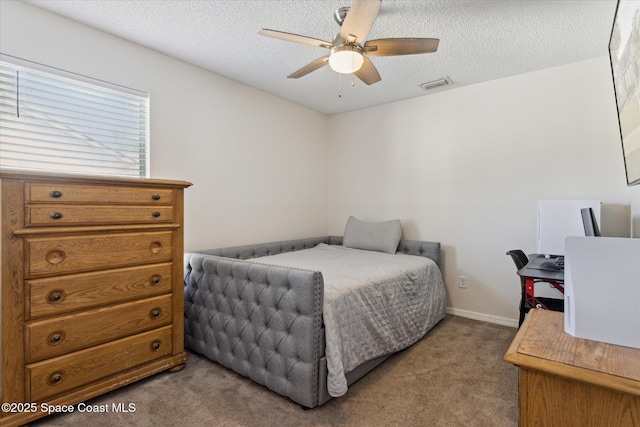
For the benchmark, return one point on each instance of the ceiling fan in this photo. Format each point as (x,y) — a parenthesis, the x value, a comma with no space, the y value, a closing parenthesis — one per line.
(349,52)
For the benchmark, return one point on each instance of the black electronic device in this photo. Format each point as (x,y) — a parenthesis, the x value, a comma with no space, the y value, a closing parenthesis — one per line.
(589,222)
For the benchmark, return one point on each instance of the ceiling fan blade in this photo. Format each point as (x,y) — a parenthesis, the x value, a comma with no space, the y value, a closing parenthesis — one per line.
(393,47)
(295,38)
(359,20)
(312,66)
(368,72)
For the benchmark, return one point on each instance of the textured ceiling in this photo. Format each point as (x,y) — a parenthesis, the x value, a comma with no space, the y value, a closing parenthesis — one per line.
(480,40)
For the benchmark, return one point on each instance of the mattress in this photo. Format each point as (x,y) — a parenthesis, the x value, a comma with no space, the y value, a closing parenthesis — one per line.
(374,303)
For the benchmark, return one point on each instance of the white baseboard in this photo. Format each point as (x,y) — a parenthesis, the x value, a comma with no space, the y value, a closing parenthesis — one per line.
(505,321)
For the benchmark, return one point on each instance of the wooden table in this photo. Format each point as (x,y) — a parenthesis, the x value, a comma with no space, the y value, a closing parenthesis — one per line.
(568,381)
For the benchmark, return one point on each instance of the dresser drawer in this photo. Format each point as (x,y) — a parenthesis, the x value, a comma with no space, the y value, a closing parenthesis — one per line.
(73,193)
(57,255)
(63,294)
(63,373)
(64,334)
(66,215)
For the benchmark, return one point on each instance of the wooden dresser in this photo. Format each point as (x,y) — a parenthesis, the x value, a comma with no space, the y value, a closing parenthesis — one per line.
(92,287)
(567,381)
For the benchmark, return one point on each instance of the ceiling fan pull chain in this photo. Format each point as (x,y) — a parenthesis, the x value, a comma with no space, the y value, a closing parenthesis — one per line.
(339,85)
(353,65)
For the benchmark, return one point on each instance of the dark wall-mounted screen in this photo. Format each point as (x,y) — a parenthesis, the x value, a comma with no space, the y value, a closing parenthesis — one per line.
(624,53)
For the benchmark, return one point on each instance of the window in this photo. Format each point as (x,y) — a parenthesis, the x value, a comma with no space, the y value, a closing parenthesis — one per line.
(51,120)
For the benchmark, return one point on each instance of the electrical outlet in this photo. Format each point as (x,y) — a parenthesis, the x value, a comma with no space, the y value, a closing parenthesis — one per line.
(463,282)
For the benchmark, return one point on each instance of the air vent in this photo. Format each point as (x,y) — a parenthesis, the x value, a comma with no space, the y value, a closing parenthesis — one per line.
(435,83)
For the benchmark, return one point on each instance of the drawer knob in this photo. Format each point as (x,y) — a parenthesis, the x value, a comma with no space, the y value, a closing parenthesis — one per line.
(56,377)
(56,215)
(55,257)
(155,197)
(155,214)
(155,313)
(155,247)
(56,338)
(155,346)
(156,279)
(55,194)
(55,296)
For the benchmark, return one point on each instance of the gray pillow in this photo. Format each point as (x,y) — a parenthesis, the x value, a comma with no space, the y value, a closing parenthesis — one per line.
(372,236)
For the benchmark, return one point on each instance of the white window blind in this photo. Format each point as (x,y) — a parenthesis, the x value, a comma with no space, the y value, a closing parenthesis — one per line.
(51,120)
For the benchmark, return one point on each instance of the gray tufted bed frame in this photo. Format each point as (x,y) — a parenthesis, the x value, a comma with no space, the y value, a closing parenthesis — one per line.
(237,313)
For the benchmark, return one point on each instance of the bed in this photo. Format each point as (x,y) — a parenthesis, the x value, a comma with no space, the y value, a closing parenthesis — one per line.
(295,316)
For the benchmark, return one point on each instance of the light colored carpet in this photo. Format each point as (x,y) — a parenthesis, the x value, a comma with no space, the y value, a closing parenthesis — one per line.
(454,376)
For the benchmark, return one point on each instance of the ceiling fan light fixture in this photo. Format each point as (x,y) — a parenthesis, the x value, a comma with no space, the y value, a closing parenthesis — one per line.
(346,59)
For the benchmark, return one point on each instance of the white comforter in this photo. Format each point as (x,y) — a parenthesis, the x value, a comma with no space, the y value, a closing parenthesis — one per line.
(374,303)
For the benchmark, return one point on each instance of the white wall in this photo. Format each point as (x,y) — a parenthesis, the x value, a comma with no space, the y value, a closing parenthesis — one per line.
(257,162)
(466,167)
